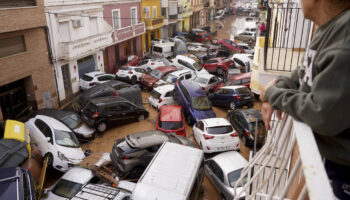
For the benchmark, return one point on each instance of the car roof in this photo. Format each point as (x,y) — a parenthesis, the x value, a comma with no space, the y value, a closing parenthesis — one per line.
(146,139)
(250,114)
(55,113)
(95,73)
(233,87)
(207,76)
(166,69)
(180,72)
(170,113)
(193,88)
(78,175)
(53,122)
(164,88)
(230,161)
(185,58)
(242,76)
(107,100)
(165,44)
(214,122)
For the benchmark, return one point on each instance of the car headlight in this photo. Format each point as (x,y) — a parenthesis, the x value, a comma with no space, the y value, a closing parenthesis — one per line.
(62,156)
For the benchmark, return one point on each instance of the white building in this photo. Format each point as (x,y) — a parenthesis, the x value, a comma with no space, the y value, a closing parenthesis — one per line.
(170,12)
(78,35)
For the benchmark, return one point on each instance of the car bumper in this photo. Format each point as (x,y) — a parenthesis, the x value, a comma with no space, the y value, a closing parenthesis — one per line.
(62,165)
(120,168)
(126,78)
(209,147)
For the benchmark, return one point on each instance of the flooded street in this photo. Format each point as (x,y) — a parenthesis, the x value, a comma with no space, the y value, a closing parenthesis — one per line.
(104,142)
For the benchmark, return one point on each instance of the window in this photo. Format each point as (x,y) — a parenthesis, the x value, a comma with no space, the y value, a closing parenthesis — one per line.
(169,94)
(16,3)
(213,80)
(146,12)
(215,168)
(246,80)
(185,92)
(158,49)
(154,12)
(105,78)
(116,19)
(164,12)
(44,128)
(200,126)
(133,16)
(188,76)
(93,26)
(11,46)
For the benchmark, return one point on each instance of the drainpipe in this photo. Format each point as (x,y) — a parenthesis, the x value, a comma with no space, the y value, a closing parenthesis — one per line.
(52,63)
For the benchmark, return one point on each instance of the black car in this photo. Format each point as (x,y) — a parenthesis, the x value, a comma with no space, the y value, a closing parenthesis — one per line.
(110,88)
(16,183)
(244,122)
(102,112)
(71,119)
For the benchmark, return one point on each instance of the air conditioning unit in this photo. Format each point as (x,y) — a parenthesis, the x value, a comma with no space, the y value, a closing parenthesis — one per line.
(77,23)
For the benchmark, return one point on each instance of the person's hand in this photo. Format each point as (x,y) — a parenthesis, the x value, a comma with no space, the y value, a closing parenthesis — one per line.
(263,90)
(266,114)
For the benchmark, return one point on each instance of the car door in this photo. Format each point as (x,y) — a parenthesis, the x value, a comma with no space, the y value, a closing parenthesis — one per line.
(227,97)
(131,112)
(210,65)
(216,174)
(216,97)
(45,132)
(114,112)
(198,130)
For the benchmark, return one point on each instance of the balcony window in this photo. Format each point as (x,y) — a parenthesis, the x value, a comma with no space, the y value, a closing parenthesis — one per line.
(133,16)
(154,12)
(146,12)
(164,12)
(116,19)
(11,46)
(16,3)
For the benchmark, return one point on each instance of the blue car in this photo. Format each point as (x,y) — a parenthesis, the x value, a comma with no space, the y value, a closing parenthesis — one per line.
(193,100)
(232,97)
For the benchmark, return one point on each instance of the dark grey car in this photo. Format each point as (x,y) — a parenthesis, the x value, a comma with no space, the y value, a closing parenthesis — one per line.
(132,154)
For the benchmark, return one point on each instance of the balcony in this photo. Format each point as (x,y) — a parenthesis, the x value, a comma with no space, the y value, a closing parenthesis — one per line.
(198,7)
(128,32)
(288,166)
(152,24)
(74,49)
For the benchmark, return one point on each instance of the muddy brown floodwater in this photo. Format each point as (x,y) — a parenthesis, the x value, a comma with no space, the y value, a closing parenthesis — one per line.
(104,143)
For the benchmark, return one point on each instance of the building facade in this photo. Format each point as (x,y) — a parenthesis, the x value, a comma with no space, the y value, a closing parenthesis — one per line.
(127,28)
(170,12)
(153,19)
(187,12)
(26,78)
(198,19)
(78,35)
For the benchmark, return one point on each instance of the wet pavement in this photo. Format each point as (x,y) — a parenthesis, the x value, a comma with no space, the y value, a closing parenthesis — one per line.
(104,142)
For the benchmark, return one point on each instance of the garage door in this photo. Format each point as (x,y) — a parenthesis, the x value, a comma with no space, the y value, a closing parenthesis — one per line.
(86,65)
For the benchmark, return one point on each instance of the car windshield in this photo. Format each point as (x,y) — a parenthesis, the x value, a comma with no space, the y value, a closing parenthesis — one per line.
(87,78)
(155,94)
(197,66)
(234,176)
(65,138)
(169,78)
(73,121)
(220,130)
(201,80)
(66,189)
(261,128)
(156,74)
(201,103)
(242,90)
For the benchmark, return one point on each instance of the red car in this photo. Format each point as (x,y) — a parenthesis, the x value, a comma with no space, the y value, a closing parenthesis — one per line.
(150,79)
(171,119)
(132,60)
(230,45)
(239,79)
(218,65)
(202,37)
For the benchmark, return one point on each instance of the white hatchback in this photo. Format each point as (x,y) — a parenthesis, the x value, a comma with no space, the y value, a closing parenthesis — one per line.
(183,62)
(131,74)
(162,95)
(90,79)
(153,63)
(215,135)
(207,82)
(175,76)
(55,141)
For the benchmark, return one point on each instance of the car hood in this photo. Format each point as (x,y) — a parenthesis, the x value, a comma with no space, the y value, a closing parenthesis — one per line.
(149,79)
(203,114)
(75,155)
(84,130)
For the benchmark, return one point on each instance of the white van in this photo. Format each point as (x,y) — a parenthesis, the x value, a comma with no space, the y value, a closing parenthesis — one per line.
(165,50)
(175,173)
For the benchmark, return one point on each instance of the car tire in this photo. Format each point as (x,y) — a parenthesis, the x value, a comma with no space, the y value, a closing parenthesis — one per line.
(50,161)
(101,126)
(133,80)
(141,118)
(189,120)
(219,71)
(233,106)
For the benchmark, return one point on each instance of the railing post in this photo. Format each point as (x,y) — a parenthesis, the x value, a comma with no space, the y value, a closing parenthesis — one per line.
(267,35)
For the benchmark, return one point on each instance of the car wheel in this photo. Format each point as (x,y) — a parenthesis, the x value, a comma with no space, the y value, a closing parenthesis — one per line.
(101,126)
(232,105)
(50,159)
(189,120)
(220,71)
(136,172)
(141,118)
(133,80)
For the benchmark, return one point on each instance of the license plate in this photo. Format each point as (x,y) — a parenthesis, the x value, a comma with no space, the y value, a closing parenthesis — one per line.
(246,97)
(121,75)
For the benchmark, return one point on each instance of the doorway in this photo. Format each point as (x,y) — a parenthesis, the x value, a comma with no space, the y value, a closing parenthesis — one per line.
(67,81)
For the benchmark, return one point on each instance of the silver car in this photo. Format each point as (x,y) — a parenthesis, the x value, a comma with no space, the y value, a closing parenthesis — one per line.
(224,170)
(246,36)
(134,152)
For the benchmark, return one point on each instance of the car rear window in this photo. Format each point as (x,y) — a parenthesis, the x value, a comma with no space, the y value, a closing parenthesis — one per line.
(242,90)
(87,78)
(66,189)
(201,80)
(219,130)
(155,94)
(170,125)
(260,127)
(201,103)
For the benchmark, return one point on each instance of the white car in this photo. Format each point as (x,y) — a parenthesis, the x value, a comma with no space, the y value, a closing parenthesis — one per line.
(175,76)
(55,141)
(153,63)
(245,47)
(197,47)
(90,79)
(207,82)
(215,135)
(162,95)
(243,60)
(158,41)
(224,170)
(131,74)
(183,62)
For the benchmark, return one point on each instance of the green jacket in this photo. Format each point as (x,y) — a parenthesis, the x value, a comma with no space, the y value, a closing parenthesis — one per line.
(318,92)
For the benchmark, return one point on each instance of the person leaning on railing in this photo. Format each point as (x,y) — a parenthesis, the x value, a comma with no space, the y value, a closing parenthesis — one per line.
(318,91)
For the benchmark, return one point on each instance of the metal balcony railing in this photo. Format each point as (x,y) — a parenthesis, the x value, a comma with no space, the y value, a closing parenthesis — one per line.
(16,3)
(288,166)
(286,38)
